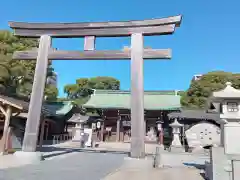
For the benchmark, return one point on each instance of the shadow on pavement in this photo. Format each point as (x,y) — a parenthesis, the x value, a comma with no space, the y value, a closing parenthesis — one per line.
(197,166)
(57,151)
(203,175)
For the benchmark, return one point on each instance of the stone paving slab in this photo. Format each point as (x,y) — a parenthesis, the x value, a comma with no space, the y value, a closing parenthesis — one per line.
(9,161)
(76,166)
(120,146)
(112,146)
(142,170)
(56,151)
(157,174)
(94,166)
(182,159)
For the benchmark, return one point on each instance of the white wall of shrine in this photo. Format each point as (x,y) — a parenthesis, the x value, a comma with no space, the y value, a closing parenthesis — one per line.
(203,134)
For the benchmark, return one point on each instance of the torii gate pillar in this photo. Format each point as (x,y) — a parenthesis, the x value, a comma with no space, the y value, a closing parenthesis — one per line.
(137,97)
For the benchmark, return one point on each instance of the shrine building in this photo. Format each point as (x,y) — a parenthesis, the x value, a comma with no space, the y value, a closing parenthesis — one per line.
(113,108)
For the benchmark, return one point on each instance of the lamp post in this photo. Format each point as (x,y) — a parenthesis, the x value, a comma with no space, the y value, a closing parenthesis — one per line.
(79,128)
(230,129)
(230,117)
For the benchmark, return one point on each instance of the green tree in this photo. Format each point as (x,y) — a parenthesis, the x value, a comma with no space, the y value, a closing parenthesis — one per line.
(51,92)
(84,87)
(71,90)
(16,76)
(199,91)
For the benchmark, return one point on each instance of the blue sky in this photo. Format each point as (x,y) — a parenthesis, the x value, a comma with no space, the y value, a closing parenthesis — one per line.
(207,40)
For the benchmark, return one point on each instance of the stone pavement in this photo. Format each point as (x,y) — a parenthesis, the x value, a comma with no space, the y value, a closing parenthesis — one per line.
(73,166)
(52,151)
(9,161)
(111,146)
(142,170)
(157,174)
(149,148)
(90,165)
(108,162)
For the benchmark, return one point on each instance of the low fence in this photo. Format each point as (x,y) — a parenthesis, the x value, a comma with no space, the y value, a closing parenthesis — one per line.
(60,138)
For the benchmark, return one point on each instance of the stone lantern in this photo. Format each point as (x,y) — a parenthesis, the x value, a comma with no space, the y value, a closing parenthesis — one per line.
(79,128)
(176,130)
(230,118)
(225,161)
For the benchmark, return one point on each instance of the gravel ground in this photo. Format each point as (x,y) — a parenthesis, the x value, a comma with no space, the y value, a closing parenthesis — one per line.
(74,166)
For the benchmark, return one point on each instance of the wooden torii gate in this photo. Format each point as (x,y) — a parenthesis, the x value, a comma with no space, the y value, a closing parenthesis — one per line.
(135,29)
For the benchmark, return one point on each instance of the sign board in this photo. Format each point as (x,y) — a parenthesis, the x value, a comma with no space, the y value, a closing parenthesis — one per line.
(94,126)
(126,123)
(88,137)
(159,127)
(108,129)
(98,124)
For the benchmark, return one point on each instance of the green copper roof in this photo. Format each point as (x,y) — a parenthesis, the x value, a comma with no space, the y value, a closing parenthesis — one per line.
(67,106)
(153,100)
(60,108)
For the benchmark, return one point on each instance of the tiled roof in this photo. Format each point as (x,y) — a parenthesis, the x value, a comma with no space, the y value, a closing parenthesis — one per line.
(59,108)
(77,117)
(195,114)
(52,109)
(20,104)
(153,100)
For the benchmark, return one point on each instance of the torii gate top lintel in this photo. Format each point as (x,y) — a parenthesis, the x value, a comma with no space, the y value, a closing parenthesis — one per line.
(99,29)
